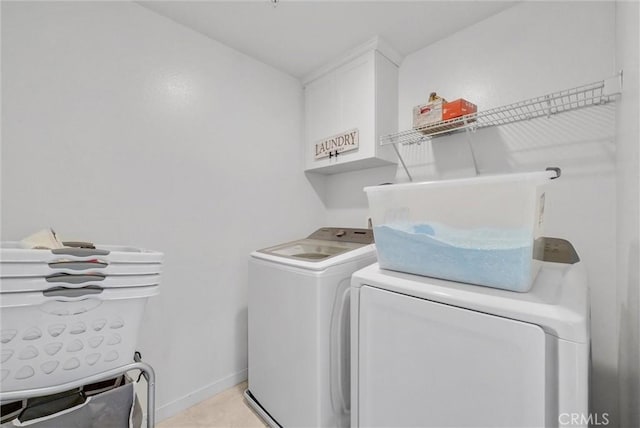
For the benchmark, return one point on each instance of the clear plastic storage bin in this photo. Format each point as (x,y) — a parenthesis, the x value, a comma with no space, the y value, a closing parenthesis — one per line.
(479,230)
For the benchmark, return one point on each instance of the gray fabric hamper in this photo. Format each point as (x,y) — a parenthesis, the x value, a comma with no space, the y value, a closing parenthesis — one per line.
(117,408)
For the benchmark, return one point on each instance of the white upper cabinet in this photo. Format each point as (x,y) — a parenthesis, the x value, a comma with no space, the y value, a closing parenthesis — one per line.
(348,106)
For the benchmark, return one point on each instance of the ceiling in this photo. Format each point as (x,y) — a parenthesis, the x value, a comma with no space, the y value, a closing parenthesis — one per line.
(299,37)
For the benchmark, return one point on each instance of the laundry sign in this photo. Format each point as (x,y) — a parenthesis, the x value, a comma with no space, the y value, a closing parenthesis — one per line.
(337,144)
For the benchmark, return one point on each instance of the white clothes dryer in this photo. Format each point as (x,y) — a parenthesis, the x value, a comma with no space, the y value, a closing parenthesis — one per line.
(434,353)
(299,328)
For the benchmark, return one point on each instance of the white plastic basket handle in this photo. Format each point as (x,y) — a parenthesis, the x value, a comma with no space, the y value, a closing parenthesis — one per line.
(16,300)
(80,252)
(77,266)
(72,294)
(73,280)
(71,301)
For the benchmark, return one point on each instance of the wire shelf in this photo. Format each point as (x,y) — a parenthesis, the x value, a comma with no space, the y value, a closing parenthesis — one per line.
(596,93)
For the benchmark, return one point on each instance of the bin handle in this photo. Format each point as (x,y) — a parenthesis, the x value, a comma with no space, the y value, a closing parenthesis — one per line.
(72,293)
(555,169)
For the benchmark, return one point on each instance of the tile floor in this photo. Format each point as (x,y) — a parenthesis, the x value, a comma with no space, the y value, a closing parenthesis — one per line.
(226,409)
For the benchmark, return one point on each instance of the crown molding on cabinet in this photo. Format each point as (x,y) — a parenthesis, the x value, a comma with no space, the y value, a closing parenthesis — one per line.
(375,43)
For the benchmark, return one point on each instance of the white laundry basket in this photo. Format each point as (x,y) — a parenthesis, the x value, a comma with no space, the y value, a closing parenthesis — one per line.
(104,259)
(60,325)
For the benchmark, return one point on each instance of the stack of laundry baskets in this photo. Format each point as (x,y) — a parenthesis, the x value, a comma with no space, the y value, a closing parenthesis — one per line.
(70,313)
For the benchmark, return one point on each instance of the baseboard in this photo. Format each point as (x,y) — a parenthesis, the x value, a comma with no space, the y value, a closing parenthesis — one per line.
(182,403)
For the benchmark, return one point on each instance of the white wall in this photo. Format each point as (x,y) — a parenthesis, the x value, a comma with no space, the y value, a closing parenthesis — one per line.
(120,126)
(628,194)
(526,51)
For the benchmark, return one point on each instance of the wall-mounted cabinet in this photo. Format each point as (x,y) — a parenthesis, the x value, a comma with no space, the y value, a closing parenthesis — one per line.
(349,105)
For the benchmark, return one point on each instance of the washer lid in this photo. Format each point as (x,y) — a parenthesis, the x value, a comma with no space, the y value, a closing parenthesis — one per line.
(315,254)
(321,248)
(557,302)
(311,249)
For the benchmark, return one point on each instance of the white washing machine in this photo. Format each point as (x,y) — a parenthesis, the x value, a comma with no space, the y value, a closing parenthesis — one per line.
(435,353)
(299,327)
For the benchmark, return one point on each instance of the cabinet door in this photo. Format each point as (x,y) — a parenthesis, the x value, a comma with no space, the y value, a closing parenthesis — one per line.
(339,101)
(427,364)
(321,114)
(356,90)
(345,99)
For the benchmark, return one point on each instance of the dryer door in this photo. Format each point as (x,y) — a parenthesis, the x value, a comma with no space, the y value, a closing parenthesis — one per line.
(428,364)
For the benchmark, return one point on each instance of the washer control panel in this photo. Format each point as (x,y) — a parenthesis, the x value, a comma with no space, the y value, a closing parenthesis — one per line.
(343,234)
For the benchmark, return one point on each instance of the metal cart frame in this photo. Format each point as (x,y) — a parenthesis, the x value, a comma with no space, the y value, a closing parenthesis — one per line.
(145,369)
